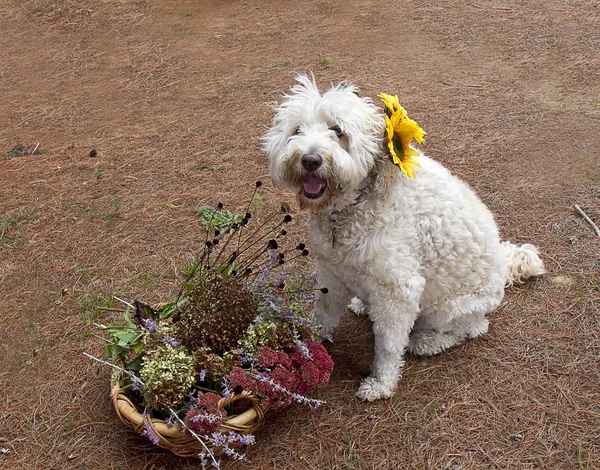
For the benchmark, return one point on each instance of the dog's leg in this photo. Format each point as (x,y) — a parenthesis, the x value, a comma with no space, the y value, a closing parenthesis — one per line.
(393,318)
(331,306)
(432,342)
(428,342)
(438,331)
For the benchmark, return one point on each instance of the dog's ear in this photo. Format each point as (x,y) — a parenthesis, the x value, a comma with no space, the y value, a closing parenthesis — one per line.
(305,84)
(344,85)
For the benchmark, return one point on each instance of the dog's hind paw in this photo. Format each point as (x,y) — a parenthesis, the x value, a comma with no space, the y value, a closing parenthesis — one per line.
(431,342)
(357,306)
(372,389)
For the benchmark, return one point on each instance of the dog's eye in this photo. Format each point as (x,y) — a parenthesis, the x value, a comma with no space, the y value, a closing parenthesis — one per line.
(296,132)
(338,131)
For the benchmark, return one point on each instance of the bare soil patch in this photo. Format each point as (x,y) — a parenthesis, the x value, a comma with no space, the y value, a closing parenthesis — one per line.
(173,96)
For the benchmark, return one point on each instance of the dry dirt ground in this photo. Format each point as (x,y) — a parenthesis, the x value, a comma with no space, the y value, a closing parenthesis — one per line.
(174,96)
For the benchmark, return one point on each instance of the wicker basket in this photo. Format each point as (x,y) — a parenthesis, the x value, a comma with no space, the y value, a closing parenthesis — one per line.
(171,437)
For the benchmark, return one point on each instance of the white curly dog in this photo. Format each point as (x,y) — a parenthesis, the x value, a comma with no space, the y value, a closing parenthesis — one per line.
(422,254)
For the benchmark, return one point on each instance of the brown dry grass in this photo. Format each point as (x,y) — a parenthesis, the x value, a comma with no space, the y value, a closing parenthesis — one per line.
(174,96)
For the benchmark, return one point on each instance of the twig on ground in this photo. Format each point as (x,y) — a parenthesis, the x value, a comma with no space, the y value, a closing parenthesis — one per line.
(587,219)
(123,302)
(466,85)
(474,5)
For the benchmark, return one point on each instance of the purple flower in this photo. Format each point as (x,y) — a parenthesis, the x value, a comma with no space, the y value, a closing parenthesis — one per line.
(226,386)
(172,341)
(303,350)
(150,433)
(246,439)
(243,357)
(136,384)
(170,421)
(202,375)
(151,325)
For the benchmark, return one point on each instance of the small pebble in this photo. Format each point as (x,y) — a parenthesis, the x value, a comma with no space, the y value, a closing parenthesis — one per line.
(93,154)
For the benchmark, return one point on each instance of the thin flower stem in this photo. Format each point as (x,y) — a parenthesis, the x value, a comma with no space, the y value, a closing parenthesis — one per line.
(226,244)
(265,265)
(247,209)
(190,276)
(294,257)
(130,374)
(270,231)
(256,255)
(104,339)
(316,289)
(123,302)
(262,377)
(198,438)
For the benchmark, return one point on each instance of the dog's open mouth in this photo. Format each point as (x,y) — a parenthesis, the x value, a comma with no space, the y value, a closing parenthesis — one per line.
(313,187)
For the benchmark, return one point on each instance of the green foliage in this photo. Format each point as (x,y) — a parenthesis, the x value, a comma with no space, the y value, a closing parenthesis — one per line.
(188,269)
(42,8)
(5,223)
(222,220)
(105,216)
(167,310)
(99,173)
(324,60)
(20,150)
(123,341)
(282,63)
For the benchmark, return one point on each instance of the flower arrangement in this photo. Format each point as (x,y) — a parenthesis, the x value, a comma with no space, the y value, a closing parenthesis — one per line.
(239,337)
(400,130)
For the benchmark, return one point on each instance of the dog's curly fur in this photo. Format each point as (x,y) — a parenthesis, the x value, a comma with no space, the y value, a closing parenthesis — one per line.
(422,254)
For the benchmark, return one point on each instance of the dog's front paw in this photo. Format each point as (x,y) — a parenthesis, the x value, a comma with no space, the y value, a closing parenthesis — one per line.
(357,306)
(372,389)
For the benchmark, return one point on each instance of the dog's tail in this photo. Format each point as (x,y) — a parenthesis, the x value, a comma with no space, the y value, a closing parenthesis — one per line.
(523,261)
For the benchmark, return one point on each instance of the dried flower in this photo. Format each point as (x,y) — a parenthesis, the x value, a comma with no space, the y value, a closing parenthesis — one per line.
(215,365)
(219,310)
(205,416)
(168,373)
(149,431)
(267,333)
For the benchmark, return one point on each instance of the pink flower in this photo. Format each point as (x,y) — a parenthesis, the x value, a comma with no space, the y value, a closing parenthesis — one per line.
(209,401)
(268,357)
(281,377)
(314,372)
(205,416)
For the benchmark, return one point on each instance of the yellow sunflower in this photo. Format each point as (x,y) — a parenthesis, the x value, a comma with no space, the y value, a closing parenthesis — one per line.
(400,130)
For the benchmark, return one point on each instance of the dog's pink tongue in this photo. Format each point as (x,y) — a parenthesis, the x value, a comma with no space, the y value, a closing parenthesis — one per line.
(313,185)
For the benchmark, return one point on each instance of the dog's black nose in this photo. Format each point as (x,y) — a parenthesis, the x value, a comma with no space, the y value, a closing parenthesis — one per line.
(311,161)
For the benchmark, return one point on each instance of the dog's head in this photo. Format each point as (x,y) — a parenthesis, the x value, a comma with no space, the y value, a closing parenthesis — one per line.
(322,147)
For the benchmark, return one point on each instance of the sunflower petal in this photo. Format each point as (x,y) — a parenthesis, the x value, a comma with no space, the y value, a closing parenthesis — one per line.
(400,131)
